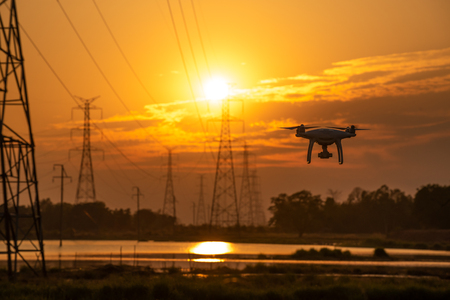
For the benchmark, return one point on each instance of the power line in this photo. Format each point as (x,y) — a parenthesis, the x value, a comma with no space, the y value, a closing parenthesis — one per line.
(73,98)
(122,53)
(190,45)
(47,63)
(103,74)
(207,33)
(187,75)
(201,39)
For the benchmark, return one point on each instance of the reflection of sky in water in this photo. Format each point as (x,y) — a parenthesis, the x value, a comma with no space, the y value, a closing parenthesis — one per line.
(81,247)
(212,248)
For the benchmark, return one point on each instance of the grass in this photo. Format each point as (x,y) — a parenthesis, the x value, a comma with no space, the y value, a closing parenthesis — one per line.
(265,282)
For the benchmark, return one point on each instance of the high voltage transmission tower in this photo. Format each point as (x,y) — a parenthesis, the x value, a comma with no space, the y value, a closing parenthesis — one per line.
(201,212)
(259,217)
(86,186)
(62,177)
(250,206)
(246,200)
(224,209)
(137,195)
(169,207)
(20,218)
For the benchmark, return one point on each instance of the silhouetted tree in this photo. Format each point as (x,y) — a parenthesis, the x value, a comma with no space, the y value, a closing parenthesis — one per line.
(332,216)
(95,217)
(379,211)
(298,212)
(432,206)
(150,221)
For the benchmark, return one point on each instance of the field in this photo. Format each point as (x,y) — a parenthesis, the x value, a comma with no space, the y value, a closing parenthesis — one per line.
(258,282)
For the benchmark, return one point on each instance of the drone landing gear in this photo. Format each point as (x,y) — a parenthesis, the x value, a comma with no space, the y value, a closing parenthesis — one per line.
(325,154)
(340,152)
(310,147)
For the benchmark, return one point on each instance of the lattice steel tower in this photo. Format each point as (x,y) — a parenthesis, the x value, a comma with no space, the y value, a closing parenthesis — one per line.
(20,219)
(224,209)
(86,186)
(246,200)
(169,206)
(201,212)
(259,218)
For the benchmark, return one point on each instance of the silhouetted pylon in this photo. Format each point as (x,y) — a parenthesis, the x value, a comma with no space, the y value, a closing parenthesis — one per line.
(246,200)
(169,206)
(86,185)
(224,209)
(259,218)
(201,212)
(20,228)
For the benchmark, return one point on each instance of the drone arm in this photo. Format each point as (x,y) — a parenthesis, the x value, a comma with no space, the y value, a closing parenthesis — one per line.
(310,147)
(340,152)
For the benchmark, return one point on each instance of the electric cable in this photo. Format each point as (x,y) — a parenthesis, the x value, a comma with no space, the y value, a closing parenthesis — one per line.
(187,75)
(201,39)
(122,53)
(201,43)
(73,98)
(103,74)
(114,188)
(190,46)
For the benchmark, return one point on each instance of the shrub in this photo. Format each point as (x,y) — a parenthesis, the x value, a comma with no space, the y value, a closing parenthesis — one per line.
(380,253)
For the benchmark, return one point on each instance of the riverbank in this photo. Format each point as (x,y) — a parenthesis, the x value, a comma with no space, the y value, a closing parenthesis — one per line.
(257,282)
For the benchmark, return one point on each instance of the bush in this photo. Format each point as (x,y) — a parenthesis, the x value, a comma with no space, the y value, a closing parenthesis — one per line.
(322,253)
(380,253)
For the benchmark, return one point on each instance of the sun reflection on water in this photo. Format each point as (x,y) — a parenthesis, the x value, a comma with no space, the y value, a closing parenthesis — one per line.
(208,260)
(212,248)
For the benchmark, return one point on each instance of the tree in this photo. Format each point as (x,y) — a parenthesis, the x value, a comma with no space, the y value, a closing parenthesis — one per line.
(432,206)
(379,211)
(298,212)
(153,221)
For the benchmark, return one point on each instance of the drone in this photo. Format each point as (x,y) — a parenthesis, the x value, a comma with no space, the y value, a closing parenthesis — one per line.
(325,137)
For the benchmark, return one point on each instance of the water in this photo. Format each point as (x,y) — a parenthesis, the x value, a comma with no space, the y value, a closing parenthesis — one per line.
(75,253)
(151,247)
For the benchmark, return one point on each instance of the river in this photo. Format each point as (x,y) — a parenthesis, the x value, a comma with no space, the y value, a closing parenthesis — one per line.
(75,253)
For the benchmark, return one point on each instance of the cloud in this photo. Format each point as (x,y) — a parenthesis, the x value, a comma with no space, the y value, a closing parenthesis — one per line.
(391,75)
(403,98)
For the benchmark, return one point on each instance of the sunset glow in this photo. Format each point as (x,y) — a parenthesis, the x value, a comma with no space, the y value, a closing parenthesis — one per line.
(332,63)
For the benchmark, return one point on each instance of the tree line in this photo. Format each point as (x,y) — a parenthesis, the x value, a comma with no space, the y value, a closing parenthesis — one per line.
(95,218)
(381,211)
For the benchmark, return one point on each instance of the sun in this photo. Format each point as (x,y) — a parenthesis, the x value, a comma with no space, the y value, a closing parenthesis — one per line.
(216,89)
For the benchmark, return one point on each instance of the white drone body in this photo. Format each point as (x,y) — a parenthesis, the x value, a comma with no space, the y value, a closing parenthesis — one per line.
(325,137)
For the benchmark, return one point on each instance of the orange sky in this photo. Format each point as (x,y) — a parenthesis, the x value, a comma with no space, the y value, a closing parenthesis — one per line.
(383,65)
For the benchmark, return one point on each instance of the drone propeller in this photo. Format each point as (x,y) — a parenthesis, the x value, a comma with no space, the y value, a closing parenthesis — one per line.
(295,127)
(352,127)
(340,128)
